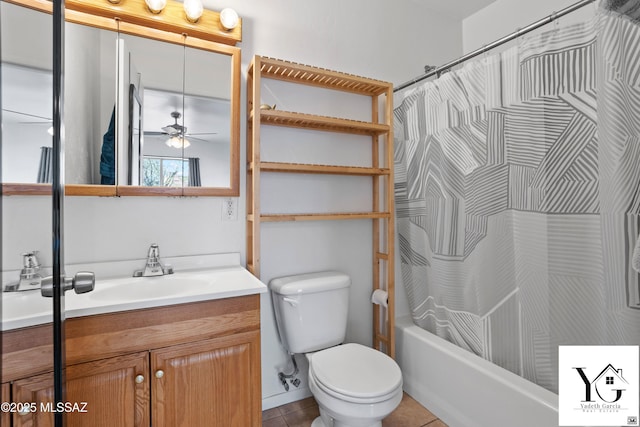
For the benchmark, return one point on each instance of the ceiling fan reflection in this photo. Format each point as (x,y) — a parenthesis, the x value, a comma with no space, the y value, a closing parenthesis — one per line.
(177,134)
(20,118)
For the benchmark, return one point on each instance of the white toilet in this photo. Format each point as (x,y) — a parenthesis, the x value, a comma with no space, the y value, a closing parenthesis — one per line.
(354,385)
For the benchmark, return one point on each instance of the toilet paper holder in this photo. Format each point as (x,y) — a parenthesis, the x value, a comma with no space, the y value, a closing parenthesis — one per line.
(380,297)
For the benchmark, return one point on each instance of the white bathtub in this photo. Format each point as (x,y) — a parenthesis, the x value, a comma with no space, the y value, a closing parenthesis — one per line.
(464,390)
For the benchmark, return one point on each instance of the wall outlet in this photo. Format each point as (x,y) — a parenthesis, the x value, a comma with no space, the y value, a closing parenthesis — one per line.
(230,209)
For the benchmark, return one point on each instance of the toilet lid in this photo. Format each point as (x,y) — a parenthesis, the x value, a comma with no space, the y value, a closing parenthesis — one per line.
(354,370)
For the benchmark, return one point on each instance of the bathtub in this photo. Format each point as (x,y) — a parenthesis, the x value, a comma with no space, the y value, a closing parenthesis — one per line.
(464,390)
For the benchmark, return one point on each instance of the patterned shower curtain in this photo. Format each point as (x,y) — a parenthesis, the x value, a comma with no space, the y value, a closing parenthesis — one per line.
(518,197)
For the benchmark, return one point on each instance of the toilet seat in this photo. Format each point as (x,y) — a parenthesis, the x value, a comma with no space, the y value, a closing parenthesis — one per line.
(355,373)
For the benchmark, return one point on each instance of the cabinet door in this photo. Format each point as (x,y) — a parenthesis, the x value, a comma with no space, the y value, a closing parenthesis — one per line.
(113,393)
(213,383)
(5,417)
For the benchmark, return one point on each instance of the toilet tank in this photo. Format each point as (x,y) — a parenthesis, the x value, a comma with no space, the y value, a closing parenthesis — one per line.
(311,310)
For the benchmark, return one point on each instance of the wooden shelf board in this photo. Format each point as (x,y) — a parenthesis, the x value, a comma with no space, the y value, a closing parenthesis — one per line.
(322,216)
(314,76)
(319,169)
(324,123)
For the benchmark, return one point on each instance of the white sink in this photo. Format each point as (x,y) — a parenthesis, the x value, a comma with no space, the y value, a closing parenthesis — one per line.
(24,306)
(22,309)
(146,288)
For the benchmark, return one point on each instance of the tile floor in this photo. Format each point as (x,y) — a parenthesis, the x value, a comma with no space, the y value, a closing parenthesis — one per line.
(301,413)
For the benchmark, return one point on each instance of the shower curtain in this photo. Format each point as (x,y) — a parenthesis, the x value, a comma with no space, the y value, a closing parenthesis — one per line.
(518,200)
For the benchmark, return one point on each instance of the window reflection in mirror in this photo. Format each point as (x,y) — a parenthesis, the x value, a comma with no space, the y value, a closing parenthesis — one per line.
(165,171)
(26,94)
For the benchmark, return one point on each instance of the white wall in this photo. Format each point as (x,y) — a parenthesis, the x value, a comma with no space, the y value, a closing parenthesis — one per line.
(83,137)
(503,17)
(386,40)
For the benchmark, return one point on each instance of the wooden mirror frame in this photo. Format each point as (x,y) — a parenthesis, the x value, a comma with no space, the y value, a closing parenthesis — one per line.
(132,17)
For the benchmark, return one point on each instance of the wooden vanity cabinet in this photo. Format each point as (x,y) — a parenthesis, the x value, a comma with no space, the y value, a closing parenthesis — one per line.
(206,383)
(194,364)
(104,392)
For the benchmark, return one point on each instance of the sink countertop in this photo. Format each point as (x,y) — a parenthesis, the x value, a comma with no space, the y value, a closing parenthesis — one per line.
(222,279)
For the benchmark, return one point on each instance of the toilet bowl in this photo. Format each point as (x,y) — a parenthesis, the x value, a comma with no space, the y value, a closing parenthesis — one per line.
(354,385)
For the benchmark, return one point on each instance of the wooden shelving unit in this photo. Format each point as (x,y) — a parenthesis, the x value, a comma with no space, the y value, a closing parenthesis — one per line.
(380,171)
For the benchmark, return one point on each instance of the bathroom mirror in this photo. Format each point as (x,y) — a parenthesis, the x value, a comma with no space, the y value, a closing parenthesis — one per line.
(26,95)
(180,101)
(27,101)
(172,80)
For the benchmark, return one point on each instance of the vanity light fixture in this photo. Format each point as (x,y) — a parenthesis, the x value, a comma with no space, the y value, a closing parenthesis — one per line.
(229,18)
(193,9)
(156,6)
(189,17)
(178,142)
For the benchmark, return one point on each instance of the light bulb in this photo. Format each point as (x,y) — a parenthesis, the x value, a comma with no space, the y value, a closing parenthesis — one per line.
(178,142)
(193,9)
(228,18)
(156,6)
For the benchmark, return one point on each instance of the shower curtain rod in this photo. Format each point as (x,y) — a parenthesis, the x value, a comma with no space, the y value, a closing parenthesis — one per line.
(432,71)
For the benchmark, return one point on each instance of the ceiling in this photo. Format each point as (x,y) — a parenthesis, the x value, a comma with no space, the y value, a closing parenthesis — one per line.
(458,9)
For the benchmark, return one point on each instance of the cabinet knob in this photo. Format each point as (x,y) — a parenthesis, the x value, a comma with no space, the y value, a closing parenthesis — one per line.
(159,373)
(139,379)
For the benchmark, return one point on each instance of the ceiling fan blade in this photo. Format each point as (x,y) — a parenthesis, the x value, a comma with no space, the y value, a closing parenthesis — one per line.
(153,133)
(45,119)
(171,130)
(203,133)
(195,138)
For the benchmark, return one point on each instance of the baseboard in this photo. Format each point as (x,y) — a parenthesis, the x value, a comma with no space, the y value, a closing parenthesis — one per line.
(284,398)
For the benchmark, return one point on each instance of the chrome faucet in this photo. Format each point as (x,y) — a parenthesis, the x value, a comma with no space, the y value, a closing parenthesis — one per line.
(154,266)
(30,277)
